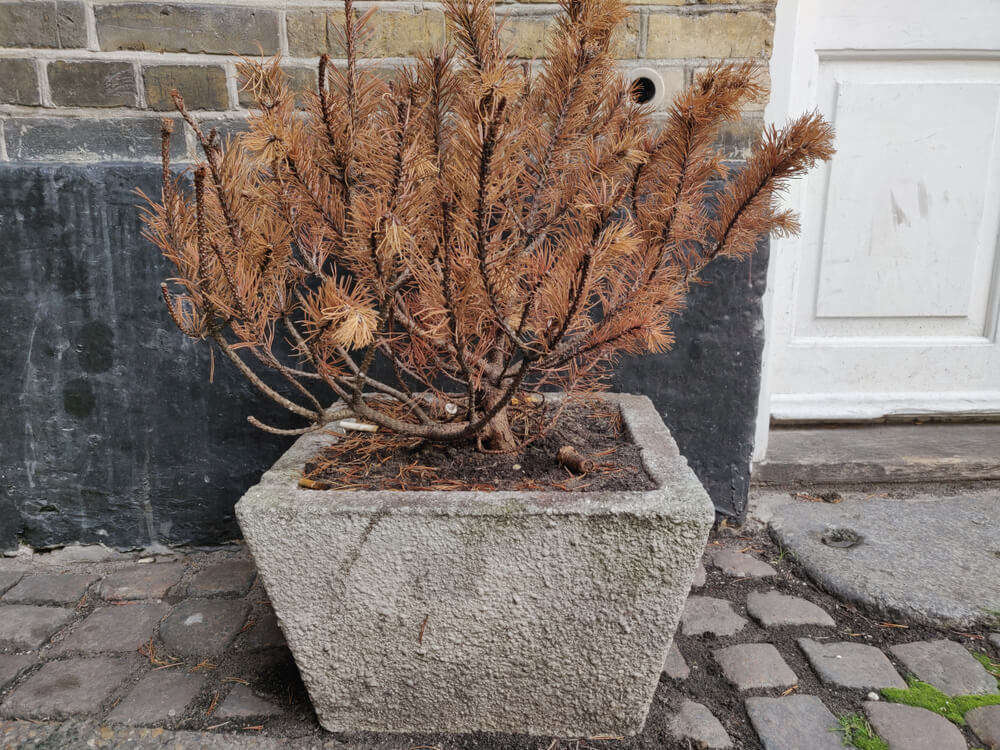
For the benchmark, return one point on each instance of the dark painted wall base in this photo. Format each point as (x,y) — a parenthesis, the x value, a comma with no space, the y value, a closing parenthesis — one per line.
(112,432)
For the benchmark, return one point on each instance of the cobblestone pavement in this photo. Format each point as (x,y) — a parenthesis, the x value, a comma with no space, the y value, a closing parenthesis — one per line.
(183,650)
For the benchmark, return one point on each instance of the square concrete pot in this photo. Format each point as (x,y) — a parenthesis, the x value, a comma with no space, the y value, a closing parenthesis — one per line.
(540,612)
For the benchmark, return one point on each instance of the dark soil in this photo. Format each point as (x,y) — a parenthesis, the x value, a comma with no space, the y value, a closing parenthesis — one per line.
(593,427)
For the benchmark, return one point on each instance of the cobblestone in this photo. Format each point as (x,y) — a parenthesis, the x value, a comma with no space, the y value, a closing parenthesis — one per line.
(705,614)
(985,724)
(755,665)
(150,581)
(694,723)
(63,688)
(699,577)
(851,665)
(911,728)
(50,588)
(775,610)
(29,626)
(11,665)
(230,577)
(947,666)
(202,627)
(264,633)
(795,722)
(995,639)
(7,580)
(674,665)
(241,703)
(122,628)
(740,565)
(159,697)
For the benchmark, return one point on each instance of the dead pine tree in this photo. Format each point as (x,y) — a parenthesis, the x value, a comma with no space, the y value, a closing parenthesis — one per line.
(485,234)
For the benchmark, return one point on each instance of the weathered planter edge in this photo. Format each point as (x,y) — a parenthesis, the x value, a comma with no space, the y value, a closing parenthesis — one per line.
(679,501)
(664,464)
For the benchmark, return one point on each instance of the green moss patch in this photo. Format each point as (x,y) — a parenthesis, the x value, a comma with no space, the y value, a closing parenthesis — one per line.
(991,666)
(857,732)
(922,695)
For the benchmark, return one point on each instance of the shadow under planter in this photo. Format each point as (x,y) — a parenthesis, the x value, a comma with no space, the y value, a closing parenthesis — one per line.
(537,612)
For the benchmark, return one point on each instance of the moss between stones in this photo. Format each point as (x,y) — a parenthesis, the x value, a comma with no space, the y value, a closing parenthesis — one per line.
(857,732)
(953,708)
(989,665)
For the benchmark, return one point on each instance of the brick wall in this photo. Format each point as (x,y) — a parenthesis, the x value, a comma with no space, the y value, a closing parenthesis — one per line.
(82,80)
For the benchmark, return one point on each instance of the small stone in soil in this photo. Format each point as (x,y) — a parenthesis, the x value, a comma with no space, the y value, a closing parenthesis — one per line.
(851,665)
(705,614)
(242,703)
(773,610)
(674,665)
(795,722)
(911,728)
(740,565)
(755,665)
(947,666)
(699,577)
(985,724)
(696,724)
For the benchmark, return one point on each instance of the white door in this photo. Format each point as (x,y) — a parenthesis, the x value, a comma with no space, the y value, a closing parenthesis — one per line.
(887,303)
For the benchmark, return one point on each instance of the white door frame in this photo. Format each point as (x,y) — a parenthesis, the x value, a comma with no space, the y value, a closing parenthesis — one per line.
(793,67)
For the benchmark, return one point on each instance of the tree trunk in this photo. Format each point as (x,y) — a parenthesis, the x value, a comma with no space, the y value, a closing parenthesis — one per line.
(497,434)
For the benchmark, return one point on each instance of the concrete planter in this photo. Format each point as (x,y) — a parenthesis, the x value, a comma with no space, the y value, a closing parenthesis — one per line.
(546,613)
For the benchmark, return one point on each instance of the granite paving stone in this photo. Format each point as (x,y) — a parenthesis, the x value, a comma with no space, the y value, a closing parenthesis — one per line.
(11,665)
(699,577)
(755,665)
(740,565)
(695,724)
(795,722)
(947,666)
(149,581)
(674,665)
(241,703)
(160,696)
(705,614)
(851,665)
(773,609)
(49,588)
(911,728)
(985,724)
(230,577)
(116,628)
(264,633)
(28,625)
(202,627)
(8,579)
(63,688)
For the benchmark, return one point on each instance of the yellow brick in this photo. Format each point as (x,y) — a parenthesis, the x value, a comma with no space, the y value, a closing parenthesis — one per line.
(524,36)
(314,31)
(661,2)
(625,43)
(718,34)
(403,34)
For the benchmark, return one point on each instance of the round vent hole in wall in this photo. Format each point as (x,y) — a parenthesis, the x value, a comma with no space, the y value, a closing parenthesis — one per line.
(643,90)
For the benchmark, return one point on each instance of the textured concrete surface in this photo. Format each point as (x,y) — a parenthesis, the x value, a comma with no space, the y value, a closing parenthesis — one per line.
(912,728)
(534,612)
(932,562)
(934,452)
